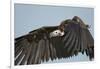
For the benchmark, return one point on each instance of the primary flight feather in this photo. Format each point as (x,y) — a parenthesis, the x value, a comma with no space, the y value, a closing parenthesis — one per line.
(69,38)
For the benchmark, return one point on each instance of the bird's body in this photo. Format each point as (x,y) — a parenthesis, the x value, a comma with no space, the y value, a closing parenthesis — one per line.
(69,38)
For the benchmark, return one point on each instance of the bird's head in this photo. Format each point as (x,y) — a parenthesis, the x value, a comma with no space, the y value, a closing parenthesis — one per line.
(56,33)
(59,31)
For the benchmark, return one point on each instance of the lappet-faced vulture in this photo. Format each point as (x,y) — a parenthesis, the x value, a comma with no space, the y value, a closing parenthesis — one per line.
(69,38)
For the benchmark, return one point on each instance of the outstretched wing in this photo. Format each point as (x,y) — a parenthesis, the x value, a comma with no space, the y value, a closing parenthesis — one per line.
(34,47)
(77,38)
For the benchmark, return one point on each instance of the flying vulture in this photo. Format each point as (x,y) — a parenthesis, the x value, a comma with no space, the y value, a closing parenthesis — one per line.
(69,38)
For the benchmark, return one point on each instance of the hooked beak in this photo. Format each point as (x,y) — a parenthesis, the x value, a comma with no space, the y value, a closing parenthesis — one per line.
(61,34)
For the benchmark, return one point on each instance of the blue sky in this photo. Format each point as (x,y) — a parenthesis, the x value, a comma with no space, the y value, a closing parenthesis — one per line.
(29,17)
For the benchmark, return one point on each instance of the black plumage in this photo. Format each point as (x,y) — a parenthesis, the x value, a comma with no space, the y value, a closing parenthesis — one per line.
(37,45)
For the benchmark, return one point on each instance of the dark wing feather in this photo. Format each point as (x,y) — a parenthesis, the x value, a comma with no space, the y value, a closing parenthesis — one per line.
(69,40)
(72,46)
(72,43)
(79,40)
(34,47)
(31,57)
